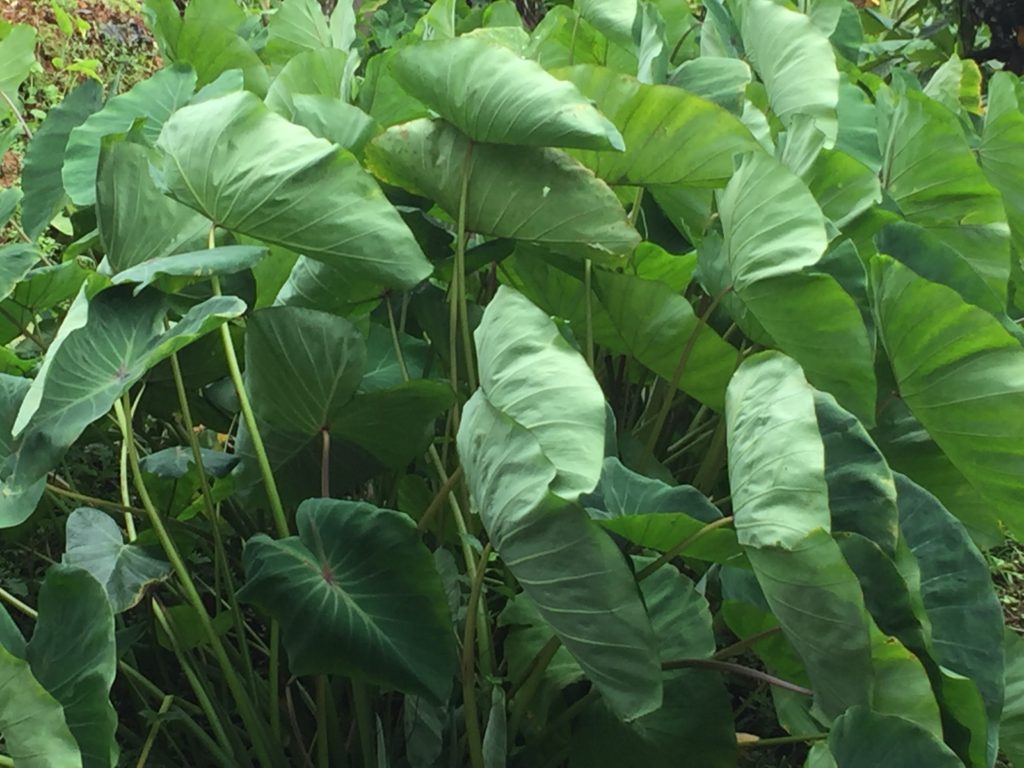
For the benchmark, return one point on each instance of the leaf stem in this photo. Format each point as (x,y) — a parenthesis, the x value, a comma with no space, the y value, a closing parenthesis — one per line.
(274,498)
(126,501)
(741,645)
(781,740)
(588,306)
(19,606)
(323,753)
(525,691)
(460,270)
(212,515)
(738,669)
(154,729)
(112,505)
(469,704)
(242,701)
(364,722)
(681,546)
(677,374)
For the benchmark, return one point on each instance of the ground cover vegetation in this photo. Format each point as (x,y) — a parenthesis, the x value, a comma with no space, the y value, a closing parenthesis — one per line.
(595,384)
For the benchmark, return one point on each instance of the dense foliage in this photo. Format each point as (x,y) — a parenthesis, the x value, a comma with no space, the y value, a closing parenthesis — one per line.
(418,387)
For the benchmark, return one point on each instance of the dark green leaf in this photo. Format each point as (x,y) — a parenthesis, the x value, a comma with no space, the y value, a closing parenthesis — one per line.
(357,594)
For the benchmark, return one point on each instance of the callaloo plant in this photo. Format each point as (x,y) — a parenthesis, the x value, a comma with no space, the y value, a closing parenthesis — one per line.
(637,388)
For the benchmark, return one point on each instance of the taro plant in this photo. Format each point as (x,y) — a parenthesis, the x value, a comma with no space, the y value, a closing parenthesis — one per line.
(639,388)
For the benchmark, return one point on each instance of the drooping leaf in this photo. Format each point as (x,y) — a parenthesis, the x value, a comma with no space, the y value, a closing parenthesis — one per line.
(780,503)
(32,721)
(72,653)
(16,260)
(861,488)
(318,72)
(774,232)
(93,542)
(931,172)
(184,268)
(671,136)
(492,95)
(251,171)
(527,459)
(343,124)
(357,594)
(861,738)
(137,223)
(957,369)
(957,593)
(154,99)
(546,196)
(41,179)
(796,63)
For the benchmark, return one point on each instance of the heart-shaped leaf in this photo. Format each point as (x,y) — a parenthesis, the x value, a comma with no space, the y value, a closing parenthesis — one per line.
(356,593)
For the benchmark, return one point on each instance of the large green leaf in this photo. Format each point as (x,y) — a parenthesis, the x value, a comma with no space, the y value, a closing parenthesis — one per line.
(302,367)
(356,593)
(104,346)
(41,174)
(72,653)
(960,373)
(1011,725)
(671,135)
(782,518)
(531,441)
(208,40)
(796,62)
(930,171)
(154,99)
(656,325)
(1002,151)
(138,223)
(93,542)
(519,347)
(319,72)
(861,488)
(385,429)
(545,196)
(614,18)
(957,593)
(715,78)
(251,171)
(771,222)
(776,454)
(298,25)
(17,57)
(774,232)
(493,95)
(32,721)
(864,739)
